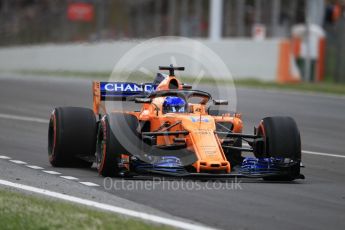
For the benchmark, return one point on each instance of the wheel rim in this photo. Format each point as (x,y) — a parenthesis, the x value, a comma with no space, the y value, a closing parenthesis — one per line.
(262,133)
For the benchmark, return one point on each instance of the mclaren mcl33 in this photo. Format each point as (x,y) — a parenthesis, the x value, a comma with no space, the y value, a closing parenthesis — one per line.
(178,131)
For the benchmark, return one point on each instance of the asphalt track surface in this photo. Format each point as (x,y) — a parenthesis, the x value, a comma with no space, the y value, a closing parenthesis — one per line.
(318,202)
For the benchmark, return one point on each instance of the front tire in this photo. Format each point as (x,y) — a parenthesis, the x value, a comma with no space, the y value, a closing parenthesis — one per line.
(71,134)
(281,139)
(109,148)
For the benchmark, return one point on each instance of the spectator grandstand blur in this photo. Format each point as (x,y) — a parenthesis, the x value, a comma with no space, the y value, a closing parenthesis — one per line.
(26,22)
(37,21)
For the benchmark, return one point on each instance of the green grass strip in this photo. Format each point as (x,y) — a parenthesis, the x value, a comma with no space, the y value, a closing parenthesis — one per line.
(23,211)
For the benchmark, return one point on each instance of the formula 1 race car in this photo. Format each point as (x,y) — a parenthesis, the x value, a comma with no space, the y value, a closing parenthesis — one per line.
(178,131)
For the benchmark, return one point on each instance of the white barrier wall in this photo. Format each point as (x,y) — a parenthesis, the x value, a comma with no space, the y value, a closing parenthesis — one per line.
(244,58)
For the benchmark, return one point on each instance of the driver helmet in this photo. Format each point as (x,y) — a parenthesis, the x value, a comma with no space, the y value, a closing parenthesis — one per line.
(174,105)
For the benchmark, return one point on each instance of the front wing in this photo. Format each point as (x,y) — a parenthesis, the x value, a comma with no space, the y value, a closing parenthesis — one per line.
(250,168)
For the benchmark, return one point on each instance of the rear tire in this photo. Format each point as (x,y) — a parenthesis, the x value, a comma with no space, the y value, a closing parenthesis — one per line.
(109,148)
(281,139)
(71,133)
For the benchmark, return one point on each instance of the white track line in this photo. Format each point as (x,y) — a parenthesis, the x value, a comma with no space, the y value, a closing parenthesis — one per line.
(69,177)
(23,118)
(5,157)
(89,184)
(34,167)
(51,172)
(312,153)
(322,154)
(115,209)
(19,162)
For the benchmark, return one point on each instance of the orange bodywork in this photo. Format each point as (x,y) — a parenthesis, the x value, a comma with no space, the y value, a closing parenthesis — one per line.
(201,127)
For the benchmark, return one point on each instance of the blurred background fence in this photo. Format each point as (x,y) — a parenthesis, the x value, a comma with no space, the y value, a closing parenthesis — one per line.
(37,21)
(26,22)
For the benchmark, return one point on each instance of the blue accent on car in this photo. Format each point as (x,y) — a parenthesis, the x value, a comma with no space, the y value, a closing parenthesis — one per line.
(169,164)
(261,165)
(198,119)
(168,161)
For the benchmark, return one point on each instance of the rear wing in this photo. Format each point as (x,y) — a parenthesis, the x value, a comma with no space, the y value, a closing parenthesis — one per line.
(118,91)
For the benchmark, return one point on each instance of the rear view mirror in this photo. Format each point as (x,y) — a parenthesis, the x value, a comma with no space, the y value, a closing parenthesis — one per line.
(185,86)
(220,102)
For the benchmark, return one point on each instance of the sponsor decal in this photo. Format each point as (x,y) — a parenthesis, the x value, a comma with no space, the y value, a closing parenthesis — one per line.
(203,132)
(209,150)
(198,119)
(126,88)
